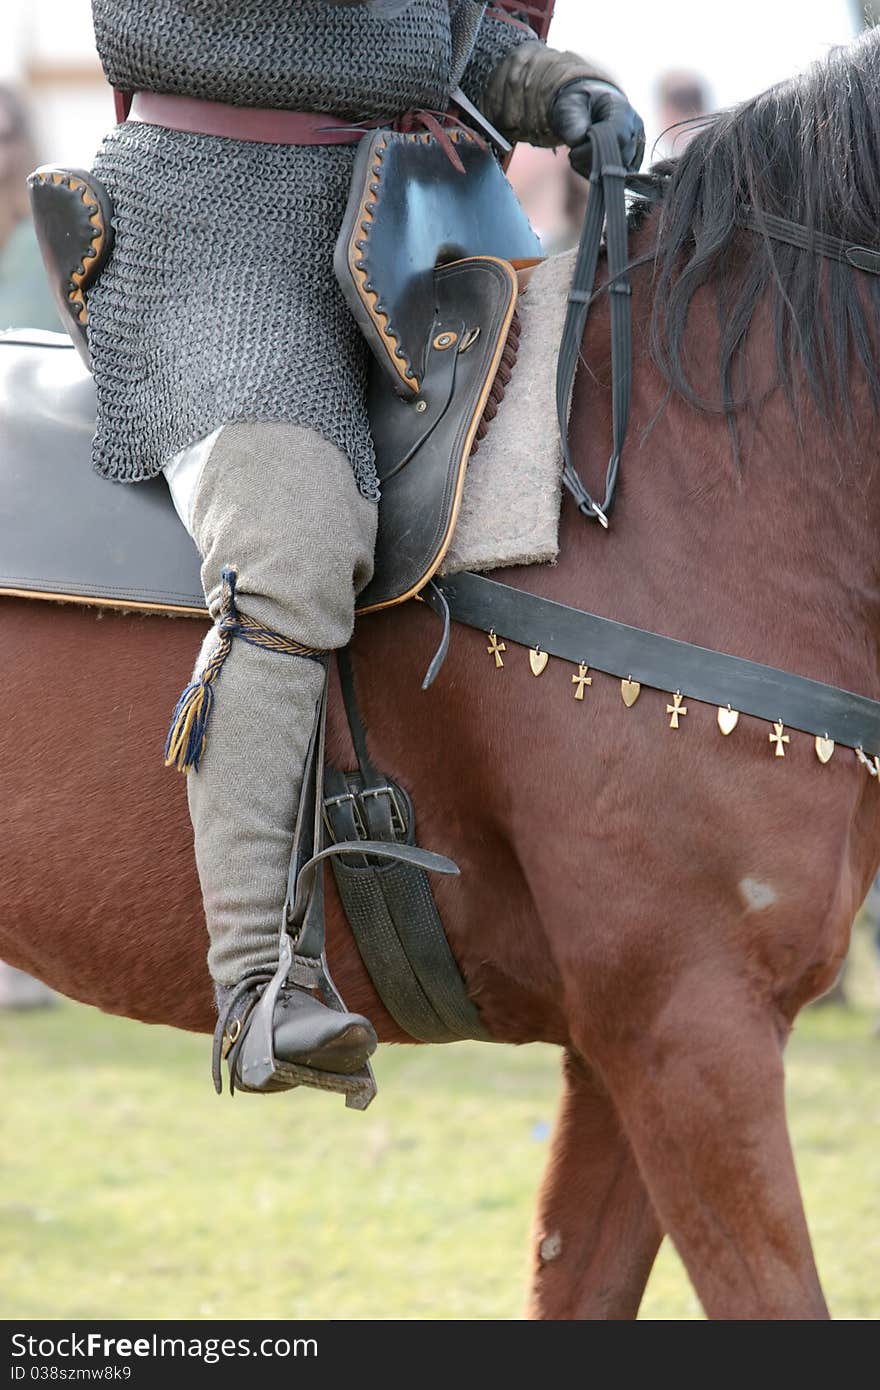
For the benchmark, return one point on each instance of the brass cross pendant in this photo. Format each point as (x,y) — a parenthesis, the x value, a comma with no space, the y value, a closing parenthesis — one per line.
(779,738)
(495,649)
(676,709)
(581,680)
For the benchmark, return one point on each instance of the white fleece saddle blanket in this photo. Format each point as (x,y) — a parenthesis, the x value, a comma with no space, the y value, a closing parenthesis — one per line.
(67,533)
(513,490)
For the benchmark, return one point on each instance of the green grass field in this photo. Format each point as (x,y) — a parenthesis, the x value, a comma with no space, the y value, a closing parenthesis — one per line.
(128,1190)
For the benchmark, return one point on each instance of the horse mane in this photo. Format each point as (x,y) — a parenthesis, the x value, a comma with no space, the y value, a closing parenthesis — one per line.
(807,150)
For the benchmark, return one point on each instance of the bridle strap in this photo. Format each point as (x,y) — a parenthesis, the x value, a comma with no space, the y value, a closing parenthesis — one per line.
(651,188)
(606,209)
(807,239)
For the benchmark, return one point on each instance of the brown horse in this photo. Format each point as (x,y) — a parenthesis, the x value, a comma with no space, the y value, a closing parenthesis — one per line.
(660,903)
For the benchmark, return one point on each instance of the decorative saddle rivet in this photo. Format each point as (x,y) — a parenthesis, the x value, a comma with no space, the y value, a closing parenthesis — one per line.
(444,341)
(538,661)
(779,737)
(676,710)
(824,748)
(630,691)
(727,719)
(581,680)
(495,648)
(421,407)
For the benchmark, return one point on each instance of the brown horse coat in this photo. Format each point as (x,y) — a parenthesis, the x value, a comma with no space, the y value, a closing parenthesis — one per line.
(659,902)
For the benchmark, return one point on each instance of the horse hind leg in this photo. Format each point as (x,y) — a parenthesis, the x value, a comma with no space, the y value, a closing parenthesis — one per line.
(700,1093)
(596,1234)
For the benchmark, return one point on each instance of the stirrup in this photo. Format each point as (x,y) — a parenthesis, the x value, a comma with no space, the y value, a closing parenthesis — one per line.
(245,1036)
(302,960)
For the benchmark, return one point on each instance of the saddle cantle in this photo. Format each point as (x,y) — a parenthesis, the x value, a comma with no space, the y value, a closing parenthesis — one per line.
(73,215)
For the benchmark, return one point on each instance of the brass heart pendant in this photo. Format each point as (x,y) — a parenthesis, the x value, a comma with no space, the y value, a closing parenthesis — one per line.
(630,690)
(824,749)
(538,661)
(727,719)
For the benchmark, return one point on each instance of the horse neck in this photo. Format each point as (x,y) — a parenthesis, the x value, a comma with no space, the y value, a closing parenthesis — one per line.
(771,555)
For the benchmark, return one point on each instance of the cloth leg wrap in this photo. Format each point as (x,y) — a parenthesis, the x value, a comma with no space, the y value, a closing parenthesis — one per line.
(280,504)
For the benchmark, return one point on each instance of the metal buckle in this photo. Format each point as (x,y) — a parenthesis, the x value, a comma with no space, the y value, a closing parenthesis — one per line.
(398,820)
(231,1037)
(360,827)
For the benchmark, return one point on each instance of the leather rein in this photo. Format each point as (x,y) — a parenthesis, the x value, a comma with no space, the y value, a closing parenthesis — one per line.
(607,212)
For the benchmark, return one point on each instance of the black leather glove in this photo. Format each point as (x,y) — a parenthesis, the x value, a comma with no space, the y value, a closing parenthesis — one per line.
(583,103)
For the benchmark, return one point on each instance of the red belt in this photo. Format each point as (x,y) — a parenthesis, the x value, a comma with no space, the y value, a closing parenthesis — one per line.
(263,125)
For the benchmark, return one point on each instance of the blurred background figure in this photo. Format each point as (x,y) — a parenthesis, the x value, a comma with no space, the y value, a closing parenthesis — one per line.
(25,301)
(865,12)
(681,98)
(553,195)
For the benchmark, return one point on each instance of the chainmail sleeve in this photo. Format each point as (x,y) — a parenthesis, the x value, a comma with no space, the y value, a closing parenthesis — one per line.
(497,38)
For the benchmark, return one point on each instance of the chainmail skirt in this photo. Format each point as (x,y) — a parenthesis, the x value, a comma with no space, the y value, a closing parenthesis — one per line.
(219,302)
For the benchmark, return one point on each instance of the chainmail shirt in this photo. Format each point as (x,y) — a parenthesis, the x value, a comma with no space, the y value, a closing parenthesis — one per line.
(219,302)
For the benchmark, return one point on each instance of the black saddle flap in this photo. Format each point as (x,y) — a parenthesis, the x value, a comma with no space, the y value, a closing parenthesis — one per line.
(423,445)
(410,210)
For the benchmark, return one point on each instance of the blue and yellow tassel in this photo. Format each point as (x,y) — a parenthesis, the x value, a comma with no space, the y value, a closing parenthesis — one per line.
(185,743)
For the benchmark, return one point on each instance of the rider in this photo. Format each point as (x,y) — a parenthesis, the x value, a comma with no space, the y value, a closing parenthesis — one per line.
(223,354)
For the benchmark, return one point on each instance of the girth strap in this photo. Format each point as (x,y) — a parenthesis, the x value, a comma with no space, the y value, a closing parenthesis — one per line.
(390,906)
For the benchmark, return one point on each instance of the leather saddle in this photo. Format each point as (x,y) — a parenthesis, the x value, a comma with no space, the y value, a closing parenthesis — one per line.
(429,260)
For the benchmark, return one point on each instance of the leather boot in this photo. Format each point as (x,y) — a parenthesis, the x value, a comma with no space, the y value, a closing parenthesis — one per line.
(304,1033)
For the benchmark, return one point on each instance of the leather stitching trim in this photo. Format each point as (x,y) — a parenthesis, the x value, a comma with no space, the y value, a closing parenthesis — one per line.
(360,272)
(22,587)
(370,296)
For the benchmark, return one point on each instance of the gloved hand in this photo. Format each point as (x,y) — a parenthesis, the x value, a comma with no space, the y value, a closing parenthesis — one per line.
(583,103)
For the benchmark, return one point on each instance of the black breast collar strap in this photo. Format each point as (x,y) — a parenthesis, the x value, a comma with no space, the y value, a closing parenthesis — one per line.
(663,663)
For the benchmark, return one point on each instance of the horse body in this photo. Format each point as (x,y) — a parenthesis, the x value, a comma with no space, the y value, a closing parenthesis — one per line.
(658,902)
